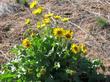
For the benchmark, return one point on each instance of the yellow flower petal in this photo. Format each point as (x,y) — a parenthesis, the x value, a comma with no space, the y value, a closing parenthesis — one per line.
(38,24)
(57,17)
(37,11)
(65,19)
(48,15)
(46,21)
(43,25)
(83,48)
(27,21)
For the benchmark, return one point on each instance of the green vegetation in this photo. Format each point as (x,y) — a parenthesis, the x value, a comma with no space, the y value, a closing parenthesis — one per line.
(102,22)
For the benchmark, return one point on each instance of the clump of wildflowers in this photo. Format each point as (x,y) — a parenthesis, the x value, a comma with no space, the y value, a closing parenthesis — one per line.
(50,55)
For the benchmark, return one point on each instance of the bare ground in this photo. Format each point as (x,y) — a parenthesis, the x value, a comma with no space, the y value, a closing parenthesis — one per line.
(83,14)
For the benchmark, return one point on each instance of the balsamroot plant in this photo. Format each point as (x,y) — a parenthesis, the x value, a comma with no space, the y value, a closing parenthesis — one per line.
(49,54)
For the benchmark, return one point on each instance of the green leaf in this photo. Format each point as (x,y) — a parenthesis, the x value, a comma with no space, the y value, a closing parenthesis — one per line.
(6,76)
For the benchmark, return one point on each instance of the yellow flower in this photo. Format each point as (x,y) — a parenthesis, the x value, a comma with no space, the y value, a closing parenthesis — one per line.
(68,34)
(46,21)
(27,21)
(57,17)
(37,11)
(48,15)
(43,25)
(75,48)
(33,4)
(83,48)
(65,19)
(58,32)
(38,24)
(26,43)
